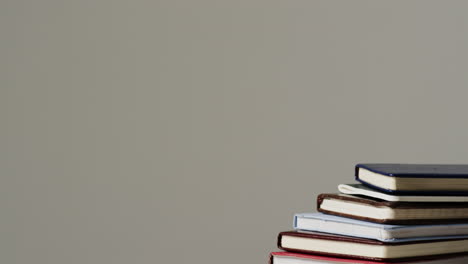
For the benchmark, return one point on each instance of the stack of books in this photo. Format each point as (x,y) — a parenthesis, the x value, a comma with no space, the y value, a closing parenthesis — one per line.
(404,213)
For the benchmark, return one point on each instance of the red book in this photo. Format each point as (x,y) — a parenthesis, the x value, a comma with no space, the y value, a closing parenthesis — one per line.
(296,258)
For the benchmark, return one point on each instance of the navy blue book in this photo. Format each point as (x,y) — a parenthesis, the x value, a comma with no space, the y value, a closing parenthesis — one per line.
(415,179)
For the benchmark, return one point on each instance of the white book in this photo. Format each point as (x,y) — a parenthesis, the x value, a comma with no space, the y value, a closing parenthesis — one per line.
(318,222)
(359,189)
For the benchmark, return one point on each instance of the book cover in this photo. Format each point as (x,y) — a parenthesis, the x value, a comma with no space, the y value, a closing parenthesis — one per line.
(368,249)
(324,223)
(297,258)
(415,179)
(401,213)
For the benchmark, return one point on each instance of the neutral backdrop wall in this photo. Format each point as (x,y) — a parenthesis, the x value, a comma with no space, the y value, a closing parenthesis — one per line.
(192,131)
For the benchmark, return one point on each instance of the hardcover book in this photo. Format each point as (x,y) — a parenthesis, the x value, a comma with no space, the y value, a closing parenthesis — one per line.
(360,189)
(296,258)
(368,249)
(403,213)
(388,233)
(415,179)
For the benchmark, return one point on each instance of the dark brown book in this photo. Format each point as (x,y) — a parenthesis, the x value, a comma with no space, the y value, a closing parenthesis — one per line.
(368,249)
(380,211)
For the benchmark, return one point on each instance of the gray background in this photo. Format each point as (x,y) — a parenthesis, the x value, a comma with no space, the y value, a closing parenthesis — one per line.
(192,131)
